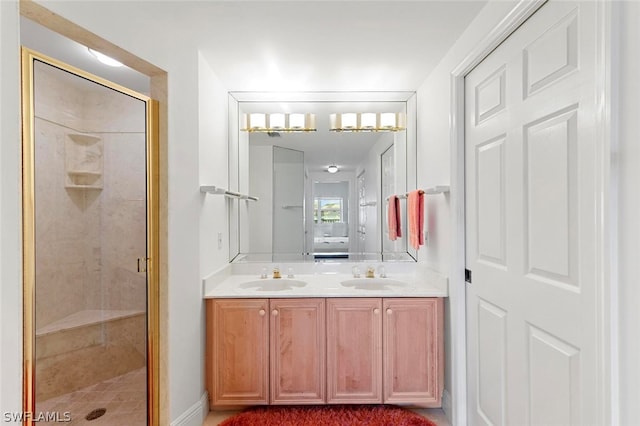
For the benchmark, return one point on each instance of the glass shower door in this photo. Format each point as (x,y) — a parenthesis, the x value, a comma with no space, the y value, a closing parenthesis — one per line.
(288,204)
(89,159)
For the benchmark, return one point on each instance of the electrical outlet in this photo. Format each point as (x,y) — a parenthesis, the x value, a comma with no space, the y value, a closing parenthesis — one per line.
(219,240)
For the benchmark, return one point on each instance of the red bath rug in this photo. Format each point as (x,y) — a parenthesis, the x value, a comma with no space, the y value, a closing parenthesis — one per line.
(328,415)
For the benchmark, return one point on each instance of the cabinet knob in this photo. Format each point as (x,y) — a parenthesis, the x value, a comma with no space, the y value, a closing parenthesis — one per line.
(389,311)
(262,312)
(376,311)
(274,312)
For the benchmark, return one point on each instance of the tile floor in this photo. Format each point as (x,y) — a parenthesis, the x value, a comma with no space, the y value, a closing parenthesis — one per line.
(436,415)
(124,398)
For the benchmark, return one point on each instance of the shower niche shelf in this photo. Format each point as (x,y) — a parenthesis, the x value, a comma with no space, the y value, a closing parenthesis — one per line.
(84,161)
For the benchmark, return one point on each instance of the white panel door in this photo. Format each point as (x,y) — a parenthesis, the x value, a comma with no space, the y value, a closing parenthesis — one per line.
(530,149)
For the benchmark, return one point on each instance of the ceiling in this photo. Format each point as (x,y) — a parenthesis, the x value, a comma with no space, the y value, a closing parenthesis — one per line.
(296,46)
(329,45)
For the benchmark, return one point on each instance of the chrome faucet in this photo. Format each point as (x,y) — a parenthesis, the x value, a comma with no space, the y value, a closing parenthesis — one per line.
(355,271)
(382,273)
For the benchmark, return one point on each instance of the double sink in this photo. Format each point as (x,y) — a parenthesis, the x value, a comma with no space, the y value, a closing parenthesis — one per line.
(320,280)
(281,284)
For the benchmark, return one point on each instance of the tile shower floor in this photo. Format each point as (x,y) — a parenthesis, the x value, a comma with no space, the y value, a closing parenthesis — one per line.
(124,397)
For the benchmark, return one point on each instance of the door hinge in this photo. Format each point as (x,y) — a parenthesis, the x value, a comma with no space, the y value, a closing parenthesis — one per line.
(467,275)
(142,264)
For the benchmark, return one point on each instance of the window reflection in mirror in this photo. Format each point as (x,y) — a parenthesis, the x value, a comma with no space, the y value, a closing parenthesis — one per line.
(331,220)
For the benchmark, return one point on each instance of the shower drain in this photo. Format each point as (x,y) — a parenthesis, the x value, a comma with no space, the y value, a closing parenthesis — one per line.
(98,412)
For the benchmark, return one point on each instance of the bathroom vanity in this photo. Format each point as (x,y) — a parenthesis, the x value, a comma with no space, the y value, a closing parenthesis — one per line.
(324,339)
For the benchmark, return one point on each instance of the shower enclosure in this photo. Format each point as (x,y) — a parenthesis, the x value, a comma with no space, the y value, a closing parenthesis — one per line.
(87,232)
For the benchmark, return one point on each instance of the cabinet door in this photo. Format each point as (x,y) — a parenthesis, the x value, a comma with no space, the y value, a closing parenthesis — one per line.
(354,351)
(413,351)
(298,345)
(237,357)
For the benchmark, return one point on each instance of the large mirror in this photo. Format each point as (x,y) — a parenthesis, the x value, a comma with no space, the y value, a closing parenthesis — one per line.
(321,195)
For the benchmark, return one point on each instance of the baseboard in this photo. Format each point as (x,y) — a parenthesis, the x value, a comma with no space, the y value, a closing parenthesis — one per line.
(195,415)
(205,405)
(446,405)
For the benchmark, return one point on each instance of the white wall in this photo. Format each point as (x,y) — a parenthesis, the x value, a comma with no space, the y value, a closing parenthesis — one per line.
(628,160)
(10,257)
(214,167)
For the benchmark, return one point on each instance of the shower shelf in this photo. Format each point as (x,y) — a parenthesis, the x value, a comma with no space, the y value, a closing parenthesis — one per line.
(83,173)
(84,161)
(84,139)
(84,179)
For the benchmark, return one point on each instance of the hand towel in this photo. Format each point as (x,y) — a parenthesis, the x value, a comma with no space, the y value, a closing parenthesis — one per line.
(415,212)
(393,218)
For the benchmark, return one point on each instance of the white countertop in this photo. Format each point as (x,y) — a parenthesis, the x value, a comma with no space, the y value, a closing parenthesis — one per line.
(419,282)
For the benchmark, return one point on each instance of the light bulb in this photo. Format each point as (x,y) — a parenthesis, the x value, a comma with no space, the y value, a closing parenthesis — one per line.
(388,120)
(296,121)
(368,120)
(349,120)
(257,121)
(276,121)
(104,58)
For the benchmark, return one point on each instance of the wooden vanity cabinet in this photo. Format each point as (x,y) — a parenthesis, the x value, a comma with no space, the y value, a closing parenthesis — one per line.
(387,350)
(413,351)
(298,339)
(317,350)
(354,351)
(262,351)
(237,351)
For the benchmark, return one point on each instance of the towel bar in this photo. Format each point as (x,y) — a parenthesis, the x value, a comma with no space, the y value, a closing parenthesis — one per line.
(210,189)
(440,189)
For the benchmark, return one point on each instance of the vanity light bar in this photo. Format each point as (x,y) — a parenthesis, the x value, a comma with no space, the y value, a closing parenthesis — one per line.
(278,122)
(368,122)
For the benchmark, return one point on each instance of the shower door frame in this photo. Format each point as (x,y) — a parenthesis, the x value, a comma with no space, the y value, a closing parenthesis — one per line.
(28,229)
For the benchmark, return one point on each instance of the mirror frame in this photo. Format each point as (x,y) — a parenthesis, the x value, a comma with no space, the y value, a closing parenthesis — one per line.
(236,139)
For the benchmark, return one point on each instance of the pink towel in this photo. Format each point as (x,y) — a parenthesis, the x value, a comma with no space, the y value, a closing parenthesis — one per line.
(415,212)
(393,218)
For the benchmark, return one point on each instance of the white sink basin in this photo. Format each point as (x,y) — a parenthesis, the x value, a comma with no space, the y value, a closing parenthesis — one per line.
(271,284)
(373,283)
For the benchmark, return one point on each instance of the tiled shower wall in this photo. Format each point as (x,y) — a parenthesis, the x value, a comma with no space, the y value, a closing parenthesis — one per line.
(88,240)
